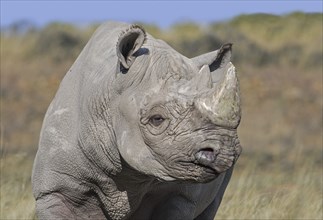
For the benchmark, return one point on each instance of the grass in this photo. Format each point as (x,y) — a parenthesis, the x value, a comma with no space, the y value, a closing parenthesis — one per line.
(279,174)
(16,195)
(263,186)
(274,190)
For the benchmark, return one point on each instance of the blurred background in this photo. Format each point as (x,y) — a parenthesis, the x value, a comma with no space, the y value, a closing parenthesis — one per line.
(277,50)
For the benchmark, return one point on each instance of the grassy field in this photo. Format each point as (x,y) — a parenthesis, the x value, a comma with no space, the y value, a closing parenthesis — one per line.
(263,186)
(279,174)
(17,201)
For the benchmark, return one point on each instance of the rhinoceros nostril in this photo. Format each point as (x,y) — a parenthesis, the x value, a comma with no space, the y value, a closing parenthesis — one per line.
(207,151)
(205,156)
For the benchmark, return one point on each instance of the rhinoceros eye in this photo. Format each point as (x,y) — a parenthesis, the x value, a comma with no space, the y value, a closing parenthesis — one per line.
(156,120)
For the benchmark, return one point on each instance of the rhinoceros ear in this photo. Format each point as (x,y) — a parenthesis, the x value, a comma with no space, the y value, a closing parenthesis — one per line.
(216,60)
(129,42)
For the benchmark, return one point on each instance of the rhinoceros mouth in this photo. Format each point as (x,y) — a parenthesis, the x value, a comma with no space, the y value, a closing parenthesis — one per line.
(197,172)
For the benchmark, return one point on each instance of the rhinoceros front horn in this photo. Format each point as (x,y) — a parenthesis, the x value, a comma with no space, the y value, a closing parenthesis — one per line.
(222,103)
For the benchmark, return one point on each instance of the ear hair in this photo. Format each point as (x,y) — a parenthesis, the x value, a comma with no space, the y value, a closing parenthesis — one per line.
(129,42)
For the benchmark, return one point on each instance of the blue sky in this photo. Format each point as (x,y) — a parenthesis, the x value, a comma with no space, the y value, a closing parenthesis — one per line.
(161,13)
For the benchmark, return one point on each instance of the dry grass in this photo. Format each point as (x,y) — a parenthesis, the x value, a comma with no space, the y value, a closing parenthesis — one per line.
(16,196)
(276,190)
(263,187)
(279,175)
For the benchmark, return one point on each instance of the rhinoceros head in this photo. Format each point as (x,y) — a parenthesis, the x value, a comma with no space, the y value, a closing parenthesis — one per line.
(177,117)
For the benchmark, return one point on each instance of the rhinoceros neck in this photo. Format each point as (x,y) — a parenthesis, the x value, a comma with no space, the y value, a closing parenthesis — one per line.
(133,182)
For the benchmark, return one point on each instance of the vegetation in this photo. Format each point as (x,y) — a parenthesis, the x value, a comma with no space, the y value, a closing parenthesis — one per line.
(279,59)
(271,187)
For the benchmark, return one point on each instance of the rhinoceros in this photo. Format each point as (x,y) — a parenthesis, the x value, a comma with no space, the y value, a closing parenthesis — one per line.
(138,131)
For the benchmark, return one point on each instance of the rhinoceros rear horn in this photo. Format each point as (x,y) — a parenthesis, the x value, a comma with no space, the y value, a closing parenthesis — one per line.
(129,42)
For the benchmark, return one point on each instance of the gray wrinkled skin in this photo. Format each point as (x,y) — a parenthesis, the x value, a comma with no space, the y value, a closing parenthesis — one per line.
(138,131)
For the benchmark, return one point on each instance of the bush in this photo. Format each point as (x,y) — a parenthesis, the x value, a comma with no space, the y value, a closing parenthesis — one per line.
(59,41)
